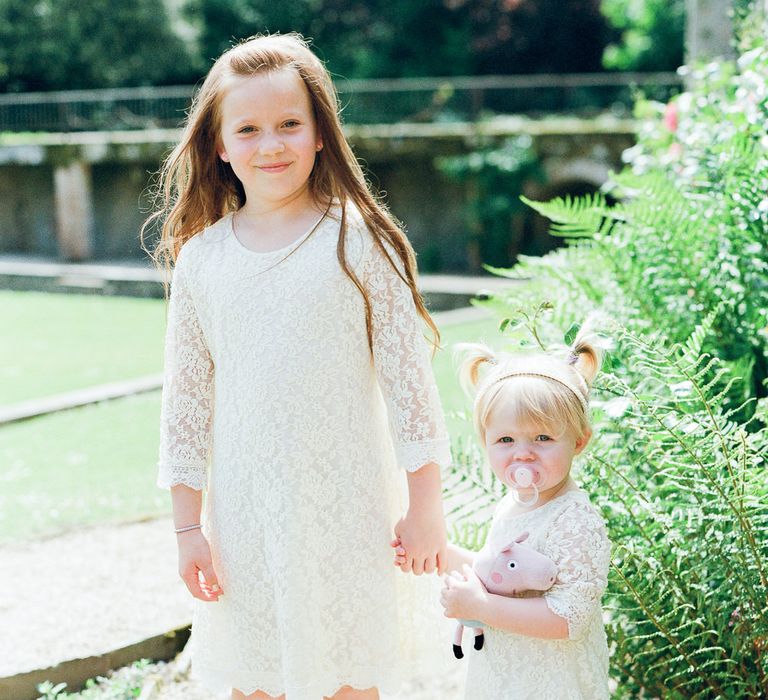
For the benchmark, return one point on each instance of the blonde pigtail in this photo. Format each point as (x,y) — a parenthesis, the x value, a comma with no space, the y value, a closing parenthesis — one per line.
(473,356)
(587,351)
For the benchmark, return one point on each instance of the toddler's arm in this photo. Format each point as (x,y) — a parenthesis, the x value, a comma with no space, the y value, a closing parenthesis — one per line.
(464,596)
(455,557)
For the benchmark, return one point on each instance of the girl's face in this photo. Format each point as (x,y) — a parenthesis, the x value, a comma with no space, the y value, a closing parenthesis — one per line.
(548,456)
(269,135)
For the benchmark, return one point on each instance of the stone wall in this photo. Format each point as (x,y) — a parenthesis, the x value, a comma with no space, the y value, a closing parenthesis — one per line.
(84,196)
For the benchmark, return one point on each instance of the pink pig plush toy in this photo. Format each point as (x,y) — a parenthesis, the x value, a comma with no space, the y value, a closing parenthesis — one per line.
(514,569)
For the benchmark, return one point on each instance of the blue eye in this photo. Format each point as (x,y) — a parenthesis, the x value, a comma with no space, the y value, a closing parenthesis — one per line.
(543,438)
(290,124)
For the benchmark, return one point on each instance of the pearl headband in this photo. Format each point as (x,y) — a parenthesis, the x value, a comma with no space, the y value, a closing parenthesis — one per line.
(580,393)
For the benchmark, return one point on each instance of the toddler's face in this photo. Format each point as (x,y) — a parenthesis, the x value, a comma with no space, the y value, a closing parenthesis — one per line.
(547,455)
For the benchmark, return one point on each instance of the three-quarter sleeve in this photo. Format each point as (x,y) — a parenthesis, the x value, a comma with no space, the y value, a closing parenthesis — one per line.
(578,543)
(187,403)
(402,360)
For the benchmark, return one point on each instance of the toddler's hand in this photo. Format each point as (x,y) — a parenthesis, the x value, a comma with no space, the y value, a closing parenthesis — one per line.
(464,595)
(196,566)
(400,553)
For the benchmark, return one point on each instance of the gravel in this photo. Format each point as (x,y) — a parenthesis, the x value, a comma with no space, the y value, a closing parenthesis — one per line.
(94,590)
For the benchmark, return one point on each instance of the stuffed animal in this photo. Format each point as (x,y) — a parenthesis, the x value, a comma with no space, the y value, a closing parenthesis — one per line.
(512,570)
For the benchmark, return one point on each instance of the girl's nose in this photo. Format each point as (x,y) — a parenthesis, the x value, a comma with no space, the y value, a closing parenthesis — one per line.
(271,144)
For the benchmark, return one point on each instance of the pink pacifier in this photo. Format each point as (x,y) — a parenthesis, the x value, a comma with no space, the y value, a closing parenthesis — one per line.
(521,478)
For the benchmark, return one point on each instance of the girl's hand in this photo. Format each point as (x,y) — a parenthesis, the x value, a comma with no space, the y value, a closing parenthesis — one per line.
(421,535)
(196,567)
(464,595)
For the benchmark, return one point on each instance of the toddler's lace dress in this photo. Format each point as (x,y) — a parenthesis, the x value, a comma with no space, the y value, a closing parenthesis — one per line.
(516,667)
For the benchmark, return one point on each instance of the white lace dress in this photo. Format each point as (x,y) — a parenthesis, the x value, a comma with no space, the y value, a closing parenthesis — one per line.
(515,667)
(273,405)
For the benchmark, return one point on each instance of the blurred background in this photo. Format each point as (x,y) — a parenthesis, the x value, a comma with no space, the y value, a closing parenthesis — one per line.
(455,107)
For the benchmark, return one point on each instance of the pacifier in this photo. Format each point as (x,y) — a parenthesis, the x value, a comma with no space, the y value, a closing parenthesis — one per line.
(521,477)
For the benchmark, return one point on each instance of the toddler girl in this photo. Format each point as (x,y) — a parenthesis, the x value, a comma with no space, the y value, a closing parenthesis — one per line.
(531,413)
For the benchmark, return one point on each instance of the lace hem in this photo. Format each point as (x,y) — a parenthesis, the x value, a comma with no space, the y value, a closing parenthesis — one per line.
(193,475)
(412,456)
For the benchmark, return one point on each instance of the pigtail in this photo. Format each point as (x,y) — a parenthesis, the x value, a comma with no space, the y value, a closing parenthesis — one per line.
(587,351)
(473,355)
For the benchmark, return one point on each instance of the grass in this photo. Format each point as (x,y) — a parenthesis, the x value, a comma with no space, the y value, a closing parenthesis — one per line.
(89,465)
(97,464)
(55,343)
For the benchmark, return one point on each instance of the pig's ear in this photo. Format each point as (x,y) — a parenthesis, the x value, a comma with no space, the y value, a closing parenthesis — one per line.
(522,537)
(506,550)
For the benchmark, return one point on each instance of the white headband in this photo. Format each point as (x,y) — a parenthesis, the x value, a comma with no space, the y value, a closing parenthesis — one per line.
(580,393)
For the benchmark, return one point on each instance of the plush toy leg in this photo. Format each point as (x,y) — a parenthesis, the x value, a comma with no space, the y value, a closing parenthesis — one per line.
(457,635)
(479,638)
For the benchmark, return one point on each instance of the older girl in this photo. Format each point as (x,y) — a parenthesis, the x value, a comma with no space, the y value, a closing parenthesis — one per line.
(296,377)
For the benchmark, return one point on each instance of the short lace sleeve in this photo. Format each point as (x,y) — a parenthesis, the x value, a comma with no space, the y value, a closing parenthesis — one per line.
(578,543)
(187,404)
(402,360)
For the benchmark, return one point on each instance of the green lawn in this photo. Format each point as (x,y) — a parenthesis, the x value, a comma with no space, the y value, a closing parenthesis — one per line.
(78,467)
(56,342)
(98,463)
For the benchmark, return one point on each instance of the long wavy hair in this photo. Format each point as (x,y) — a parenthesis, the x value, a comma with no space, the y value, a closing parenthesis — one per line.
(196,188)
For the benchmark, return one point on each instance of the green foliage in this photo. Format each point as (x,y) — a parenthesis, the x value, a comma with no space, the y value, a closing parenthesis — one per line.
(649,34)
(678,462)
(494,177)
(400,38)
(682,486)
(688,235)
(66,44)
(122,684)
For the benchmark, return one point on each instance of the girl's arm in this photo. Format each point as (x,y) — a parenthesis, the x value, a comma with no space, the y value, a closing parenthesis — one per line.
(404,373)
(195,564)
(464,596)
(185,425)
(421,531)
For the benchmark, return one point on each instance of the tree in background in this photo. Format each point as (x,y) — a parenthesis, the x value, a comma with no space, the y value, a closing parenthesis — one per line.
(358,39)
(396,38)
(535,36)
(648,34)
(68,44)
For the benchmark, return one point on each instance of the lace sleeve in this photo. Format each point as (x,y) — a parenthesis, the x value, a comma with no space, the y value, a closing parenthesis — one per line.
(579,545)
(403,367)
(187,404)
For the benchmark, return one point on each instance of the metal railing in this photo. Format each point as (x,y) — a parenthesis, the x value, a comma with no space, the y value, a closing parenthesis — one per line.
(363,101)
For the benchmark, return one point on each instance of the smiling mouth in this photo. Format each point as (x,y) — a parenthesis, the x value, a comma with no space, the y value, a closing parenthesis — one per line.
(274,167)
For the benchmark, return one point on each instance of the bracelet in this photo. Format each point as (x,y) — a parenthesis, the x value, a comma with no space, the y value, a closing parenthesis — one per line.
(187,528)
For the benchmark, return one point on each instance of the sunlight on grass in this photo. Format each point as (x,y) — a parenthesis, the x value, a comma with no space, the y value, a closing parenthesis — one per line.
(56,342)
(83,466)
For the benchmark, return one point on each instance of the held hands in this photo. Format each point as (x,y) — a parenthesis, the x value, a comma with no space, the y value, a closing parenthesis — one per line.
(421,543)
(464,595)
(196,567)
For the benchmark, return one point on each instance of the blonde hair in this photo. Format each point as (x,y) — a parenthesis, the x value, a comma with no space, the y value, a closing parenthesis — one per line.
(197,188)
(550,389)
